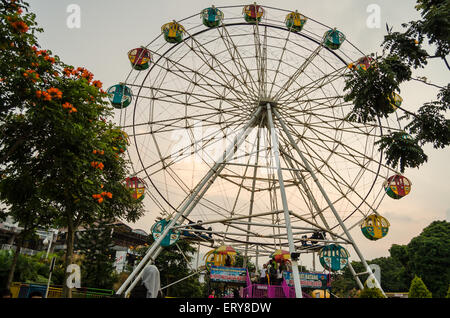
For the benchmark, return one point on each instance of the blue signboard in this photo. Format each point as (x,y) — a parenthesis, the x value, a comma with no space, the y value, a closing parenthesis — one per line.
(224,274)
(308,280)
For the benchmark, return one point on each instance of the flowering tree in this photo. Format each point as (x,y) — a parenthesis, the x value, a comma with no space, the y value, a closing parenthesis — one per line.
(57,116)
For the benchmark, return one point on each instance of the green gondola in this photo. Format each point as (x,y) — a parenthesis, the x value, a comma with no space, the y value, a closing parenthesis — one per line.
(333,257)
(333,39)
(120,96)
(171,237)
(211,17)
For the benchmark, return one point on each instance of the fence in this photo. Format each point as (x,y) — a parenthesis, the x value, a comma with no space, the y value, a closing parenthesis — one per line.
(23,290)
(271,291)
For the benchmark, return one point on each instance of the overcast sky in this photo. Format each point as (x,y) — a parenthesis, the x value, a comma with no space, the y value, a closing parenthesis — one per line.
(110,28)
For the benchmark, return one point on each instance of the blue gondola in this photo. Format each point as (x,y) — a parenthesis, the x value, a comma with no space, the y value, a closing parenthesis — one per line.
(333,39)
(211,17)
(120,96)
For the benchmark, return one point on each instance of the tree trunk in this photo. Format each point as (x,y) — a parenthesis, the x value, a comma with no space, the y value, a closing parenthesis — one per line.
(13,264)
(67,292)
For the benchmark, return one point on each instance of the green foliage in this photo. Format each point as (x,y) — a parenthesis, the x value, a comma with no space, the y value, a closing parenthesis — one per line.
(448,292)
(343,284)
(401,151)
(405,46)
(16,55)
(371,90)
(97,265)
(429,256)
(371,293)
(429,123)
(418,289)
(426,255)
(435,24)
(29,269)
(55,136)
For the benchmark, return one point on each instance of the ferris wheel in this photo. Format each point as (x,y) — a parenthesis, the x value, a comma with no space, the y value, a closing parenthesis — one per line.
(235,117)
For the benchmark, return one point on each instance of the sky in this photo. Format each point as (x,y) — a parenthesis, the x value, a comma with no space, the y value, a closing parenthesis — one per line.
(109,28)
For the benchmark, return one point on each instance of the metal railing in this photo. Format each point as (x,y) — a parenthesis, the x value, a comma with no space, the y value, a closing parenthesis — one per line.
(23,290)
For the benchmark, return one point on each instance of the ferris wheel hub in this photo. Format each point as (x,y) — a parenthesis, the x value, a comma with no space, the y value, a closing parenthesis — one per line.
(262,104)
(267,100)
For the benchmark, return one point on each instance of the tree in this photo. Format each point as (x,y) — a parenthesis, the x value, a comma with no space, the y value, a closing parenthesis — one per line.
(22,197)
(94,244)
(418,289)
(72,148)
(371,293)
(372,90)
(429,256)
(29,269)
(19,71)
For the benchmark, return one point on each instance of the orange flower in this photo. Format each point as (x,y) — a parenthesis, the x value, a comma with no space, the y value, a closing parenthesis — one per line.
(109,195)
(94,151)
(100,200)
(67,105)
(47,96)
(97,84)
(54,92)
(68,71)
(50,59)
(20,26)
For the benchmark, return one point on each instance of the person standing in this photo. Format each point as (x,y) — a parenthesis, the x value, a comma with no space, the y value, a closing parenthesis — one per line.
(279,275)
(212,295)
(263,275)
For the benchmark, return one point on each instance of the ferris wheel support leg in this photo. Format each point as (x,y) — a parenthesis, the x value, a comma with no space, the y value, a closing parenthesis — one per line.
(150,259)
(317,208)
(188,206)
(295,272)
(330,204)
(358,281)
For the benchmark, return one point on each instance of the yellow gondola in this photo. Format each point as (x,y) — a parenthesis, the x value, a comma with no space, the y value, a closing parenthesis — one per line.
(375,227)
(173,32)
(295,21)
(395,100)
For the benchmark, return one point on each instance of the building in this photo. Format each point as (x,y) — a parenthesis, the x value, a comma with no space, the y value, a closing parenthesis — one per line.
(124,238)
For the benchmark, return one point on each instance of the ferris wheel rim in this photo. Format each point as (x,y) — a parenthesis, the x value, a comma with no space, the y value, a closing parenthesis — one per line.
(221,26)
